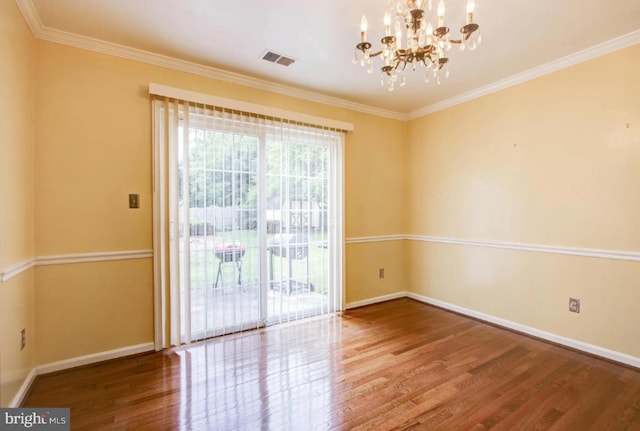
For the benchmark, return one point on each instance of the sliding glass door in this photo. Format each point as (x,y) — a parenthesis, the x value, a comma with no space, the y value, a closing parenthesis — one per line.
(297,201)
(219,247)
(254,220)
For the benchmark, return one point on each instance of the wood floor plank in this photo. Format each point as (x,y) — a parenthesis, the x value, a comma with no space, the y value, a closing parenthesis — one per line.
(396,365)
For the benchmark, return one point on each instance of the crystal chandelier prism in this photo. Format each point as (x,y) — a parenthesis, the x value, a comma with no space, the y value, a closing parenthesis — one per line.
(419,39)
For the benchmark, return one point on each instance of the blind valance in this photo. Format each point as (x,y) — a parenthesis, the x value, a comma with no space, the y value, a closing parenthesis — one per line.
(252,109)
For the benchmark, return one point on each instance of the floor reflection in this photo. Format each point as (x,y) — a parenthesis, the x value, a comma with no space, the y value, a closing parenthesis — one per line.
(271,379)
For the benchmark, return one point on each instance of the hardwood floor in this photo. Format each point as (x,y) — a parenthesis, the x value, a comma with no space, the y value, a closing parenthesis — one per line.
(395,365)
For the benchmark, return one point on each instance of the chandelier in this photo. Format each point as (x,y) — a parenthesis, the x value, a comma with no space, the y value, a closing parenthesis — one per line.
(415,42)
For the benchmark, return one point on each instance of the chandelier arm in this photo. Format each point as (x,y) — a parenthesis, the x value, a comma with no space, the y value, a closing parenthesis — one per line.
(467,30)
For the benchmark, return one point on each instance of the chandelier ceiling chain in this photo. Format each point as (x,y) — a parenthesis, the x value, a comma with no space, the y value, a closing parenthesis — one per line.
(416,42)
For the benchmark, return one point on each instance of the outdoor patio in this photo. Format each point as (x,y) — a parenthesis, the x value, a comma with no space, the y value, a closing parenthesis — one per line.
(225,309)
(224,274)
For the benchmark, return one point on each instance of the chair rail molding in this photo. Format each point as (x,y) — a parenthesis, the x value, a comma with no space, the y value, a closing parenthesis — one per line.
(628,255)
(381,238)
(103,256)
(64,259)
(14,270)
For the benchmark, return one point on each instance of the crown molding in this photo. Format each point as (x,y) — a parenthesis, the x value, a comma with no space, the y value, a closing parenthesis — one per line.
(52,35)
(30,15)
(70,39)
(595,51)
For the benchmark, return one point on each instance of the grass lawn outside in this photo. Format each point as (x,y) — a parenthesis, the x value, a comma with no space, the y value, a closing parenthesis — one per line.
(204,263)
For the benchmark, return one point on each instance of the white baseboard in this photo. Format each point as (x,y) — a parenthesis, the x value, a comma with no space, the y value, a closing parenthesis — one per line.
(24,389)
(94,357)
(75,362)
(375,300)
(548,336)
(147,347)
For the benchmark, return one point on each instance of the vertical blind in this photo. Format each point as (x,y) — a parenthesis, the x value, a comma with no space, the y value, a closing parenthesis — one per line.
(247,220)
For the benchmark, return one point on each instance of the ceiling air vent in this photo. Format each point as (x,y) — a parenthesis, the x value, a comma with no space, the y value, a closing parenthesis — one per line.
(274,57)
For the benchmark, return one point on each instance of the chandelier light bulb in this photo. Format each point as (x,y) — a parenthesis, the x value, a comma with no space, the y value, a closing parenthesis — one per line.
(471,6)
(387,24)
(398,40)
(363,28)
(441,9)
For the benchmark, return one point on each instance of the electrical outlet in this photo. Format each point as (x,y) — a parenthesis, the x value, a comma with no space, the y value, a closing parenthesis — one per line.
(381,273)
(574,305)
(23,339)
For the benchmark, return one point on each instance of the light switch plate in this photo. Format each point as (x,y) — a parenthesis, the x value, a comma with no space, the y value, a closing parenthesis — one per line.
(134,201)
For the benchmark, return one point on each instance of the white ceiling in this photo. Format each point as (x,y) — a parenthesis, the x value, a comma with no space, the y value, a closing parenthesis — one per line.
(320,35)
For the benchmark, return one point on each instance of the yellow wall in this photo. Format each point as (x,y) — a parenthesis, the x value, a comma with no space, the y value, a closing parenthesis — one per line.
(17,87)
(553,161)
(364,260)
(550,162)
(93,307)
(93,135)
(375,206)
